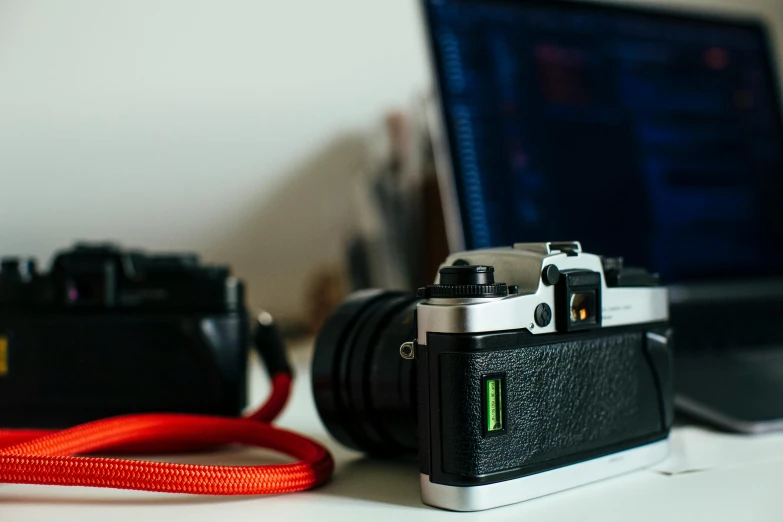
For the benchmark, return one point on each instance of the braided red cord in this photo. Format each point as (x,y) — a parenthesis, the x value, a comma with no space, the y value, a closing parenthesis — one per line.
(42,457)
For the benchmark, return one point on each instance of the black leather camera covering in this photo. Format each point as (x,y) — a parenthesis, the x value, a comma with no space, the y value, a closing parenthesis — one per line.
(568,398)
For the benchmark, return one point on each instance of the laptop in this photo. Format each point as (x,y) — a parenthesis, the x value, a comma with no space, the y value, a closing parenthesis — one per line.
(648,134)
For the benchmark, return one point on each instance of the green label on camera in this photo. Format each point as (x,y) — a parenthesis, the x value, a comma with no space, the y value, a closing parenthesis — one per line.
(494,405)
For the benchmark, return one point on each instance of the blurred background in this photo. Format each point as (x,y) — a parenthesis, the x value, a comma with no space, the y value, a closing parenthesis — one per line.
(250,132)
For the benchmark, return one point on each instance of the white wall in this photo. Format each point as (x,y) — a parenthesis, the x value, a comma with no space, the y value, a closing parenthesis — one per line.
(151,120)
(174,124)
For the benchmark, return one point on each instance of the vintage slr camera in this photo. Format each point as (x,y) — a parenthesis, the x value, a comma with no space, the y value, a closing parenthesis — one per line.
(110,332)
(557,376)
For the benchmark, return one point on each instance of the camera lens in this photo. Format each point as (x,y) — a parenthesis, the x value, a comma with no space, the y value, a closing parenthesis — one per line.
(583,307)
(365,393)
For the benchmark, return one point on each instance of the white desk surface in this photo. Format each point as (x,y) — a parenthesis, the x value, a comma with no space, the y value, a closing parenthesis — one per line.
(743,481)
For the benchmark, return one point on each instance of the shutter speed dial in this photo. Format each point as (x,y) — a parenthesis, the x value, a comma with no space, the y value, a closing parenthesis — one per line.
(465,282)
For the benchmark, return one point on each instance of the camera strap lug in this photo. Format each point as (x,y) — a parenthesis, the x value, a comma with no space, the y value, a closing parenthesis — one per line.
(408,350)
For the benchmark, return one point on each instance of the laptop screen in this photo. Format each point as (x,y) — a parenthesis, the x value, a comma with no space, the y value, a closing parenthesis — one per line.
(650,136)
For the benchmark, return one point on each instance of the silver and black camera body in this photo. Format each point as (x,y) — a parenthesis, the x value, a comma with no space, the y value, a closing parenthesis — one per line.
(521,372)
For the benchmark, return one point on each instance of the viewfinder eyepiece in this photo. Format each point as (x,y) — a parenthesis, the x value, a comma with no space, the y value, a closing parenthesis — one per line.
(582,307)
(578,300)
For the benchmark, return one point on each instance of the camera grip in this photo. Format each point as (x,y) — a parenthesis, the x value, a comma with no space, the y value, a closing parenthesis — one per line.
(566,400)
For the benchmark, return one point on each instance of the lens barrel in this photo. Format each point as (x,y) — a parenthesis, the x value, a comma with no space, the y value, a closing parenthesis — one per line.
(365,393)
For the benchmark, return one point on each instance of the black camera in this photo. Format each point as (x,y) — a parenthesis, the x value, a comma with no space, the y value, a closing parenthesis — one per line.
(555,377)
(109,332)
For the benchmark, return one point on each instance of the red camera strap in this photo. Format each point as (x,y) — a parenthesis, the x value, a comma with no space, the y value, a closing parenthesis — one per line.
(46,457)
